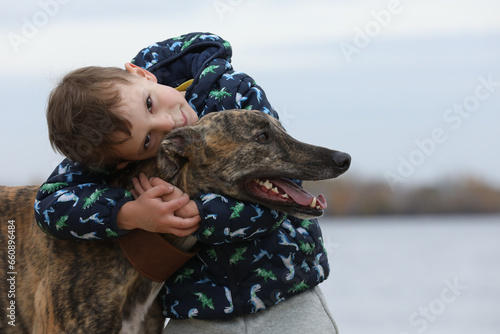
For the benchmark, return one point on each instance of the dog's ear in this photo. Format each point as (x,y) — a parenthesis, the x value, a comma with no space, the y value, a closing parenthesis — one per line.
(176,149)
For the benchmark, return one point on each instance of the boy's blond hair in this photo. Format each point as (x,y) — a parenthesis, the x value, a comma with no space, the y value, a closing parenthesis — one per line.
(82,115)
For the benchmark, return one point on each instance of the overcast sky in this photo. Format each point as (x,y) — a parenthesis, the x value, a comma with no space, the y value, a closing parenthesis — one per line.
(411,89)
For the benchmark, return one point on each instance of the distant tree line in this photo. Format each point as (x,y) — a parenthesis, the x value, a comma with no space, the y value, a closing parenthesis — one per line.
(348,196)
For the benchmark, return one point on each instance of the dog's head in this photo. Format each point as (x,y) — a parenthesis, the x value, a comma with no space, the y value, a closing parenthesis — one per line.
(247,155)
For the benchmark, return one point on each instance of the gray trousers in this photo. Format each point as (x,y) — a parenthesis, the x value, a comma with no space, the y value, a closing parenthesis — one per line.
(306,313)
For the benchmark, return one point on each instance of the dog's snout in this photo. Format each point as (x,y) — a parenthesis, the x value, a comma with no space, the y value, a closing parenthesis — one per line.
(342,161)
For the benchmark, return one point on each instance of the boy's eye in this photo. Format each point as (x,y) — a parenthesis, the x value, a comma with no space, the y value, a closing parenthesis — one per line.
(149,104)
(147,141)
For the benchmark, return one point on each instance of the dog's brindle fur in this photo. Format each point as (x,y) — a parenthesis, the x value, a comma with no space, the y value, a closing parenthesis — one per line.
(90,287)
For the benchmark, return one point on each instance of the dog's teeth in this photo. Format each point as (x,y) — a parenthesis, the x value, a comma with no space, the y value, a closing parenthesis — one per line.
(268,184)
(313,203)
(285,196)
(275,189)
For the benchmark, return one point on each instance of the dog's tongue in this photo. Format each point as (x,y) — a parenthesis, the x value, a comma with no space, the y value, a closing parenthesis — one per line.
(298,194)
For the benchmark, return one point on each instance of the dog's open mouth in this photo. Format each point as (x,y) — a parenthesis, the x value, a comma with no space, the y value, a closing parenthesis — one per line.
(285,191)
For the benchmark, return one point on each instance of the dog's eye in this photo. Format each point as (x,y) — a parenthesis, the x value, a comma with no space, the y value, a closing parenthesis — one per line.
(262,137)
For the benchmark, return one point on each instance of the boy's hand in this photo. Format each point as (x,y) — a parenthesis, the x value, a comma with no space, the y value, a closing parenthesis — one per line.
(159,207)
(188,211)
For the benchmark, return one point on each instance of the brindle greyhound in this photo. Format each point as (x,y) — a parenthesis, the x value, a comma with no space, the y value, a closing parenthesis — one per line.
(57,286)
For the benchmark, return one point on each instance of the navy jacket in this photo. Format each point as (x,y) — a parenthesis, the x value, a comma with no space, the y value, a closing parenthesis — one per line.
(250,257)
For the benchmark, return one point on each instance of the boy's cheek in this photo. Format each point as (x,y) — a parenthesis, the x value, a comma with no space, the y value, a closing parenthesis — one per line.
(192,117)
(122,165)
(150,154)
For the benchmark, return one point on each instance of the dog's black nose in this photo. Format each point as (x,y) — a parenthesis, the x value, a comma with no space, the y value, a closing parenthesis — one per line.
(342,161)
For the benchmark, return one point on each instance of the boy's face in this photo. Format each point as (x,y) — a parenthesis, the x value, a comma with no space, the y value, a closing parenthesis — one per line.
(152,110)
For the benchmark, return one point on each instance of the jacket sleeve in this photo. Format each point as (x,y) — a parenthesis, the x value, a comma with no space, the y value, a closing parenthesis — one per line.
(177,60)
(204,58)
(75,203)
(226,220)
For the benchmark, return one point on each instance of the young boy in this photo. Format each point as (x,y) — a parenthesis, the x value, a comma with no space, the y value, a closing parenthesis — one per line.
(250,258)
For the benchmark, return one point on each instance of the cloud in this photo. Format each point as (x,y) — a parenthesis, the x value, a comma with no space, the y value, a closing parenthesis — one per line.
(65,34)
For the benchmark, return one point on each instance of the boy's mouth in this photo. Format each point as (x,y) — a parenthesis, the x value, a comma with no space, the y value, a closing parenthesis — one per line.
(184,118)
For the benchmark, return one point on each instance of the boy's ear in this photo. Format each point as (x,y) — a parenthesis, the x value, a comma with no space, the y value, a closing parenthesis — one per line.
(140,72)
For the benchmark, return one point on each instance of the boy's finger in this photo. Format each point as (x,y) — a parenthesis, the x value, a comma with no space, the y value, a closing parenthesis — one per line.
(134,193)
(156,181)
(184,232)
(182,227)
(145,181)
(137,186)
(158,191)
(177,203)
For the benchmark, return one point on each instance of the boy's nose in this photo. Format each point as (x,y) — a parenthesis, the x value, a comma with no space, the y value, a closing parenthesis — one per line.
(165,124)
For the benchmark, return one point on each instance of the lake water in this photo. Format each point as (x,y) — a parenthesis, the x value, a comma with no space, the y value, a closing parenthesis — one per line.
(405,275)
